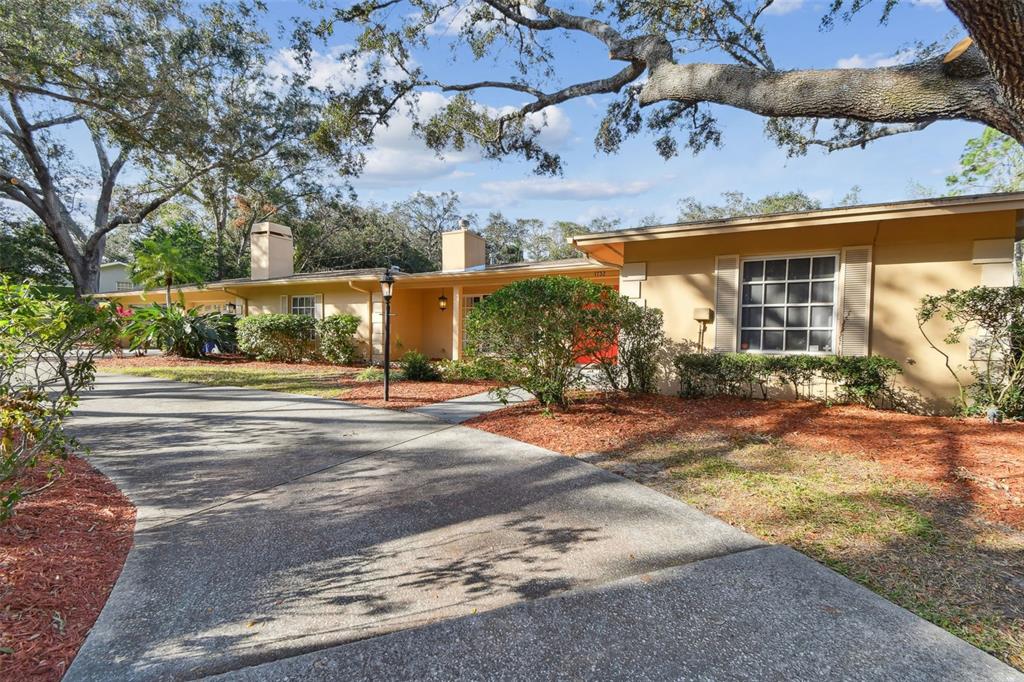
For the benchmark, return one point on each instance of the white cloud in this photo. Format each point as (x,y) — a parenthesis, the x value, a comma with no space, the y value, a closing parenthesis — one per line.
(560,188)
(875,59)
(328,69)
(781,7)
(934,4)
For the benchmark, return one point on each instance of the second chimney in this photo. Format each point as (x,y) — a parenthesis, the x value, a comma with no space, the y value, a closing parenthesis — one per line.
(272,251)
(462,249)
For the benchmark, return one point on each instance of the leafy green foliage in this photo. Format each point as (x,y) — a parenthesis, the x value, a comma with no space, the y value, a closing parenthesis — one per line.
(991,162)
(178,331)
(27,252)
(47,349)
(864,380)
(739,204)
(338,338)
(161,262)
(994,318)
(417,367)
(639,339)
(469,369)
(536,330)
(279,337)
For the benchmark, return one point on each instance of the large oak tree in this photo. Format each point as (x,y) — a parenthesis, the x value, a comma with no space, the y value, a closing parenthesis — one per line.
(166,91)
(676,60)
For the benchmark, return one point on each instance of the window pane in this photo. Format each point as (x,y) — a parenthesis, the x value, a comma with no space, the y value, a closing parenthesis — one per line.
(775,270)
(753,293)
(821,341)
(753,271)
(773,317)
(772,341)
(798,292)
(751,317)
(796,316)
(824,267)
(774,293)
(750,339)
(821,316)
(822,292)
(799,268)
(796,340)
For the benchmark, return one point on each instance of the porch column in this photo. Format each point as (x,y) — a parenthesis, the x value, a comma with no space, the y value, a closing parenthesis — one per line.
(456,322)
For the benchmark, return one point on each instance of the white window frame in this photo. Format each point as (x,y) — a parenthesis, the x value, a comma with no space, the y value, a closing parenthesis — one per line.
(124,285)
(301,310)
(834,329)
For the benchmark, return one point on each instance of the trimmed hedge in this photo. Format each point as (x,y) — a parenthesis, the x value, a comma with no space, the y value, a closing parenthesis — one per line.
(338,338)
(278,337)
(864,380)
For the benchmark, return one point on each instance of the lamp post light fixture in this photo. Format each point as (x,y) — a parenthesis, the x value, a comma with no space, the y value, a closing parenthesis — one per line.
(442,302)
(387,285)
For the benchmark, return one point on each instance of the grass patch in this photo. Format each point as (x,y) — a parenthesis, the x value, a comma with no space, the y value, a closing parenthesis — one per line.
(929,554)
(319,384)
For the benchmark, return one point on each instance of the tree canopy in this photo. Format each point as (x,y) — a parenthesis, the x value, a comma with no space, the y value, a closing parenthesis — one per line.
(651,86)
(166,91)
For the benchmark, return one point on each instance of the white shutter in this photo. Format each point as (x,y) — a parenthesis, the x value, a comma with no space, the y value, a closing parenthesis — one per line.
(319,299)
(284,305)
(855,301)
(727,303)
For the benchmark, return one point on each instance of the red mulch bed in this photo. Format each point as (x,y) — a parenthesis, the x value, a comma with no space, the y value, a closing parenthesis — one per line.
(965,458)
(59,557)
(408,394)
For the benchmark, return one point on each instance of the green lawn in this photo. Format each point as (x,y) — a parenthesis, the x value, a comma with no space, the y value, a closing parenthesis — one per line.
(925,553)
(319,383)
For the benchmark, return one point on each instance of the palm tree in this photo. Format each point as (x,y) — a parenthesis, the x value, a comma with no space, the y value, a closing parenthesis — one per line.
(159,262)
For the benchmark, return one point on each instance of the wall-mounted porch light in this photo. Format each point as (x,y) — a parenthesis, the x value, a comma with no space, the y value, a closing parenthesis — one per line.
(442,302)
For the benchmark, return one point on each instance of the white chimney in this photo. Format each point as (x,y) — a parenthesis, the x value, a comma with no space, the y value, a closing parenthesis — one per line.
(272,251)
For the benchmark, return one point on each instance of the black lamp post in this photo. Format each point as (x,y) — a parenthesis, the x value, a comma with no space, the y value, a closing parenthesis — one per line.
(387,284)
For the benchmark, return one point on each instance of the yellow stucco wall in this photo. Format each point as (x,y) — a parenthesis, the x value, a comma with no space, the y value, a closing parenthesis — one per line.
(911,257)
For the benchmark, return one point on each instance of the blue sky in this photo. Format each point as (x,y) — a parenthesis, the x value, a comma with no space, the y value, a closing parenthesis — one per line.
(637,182)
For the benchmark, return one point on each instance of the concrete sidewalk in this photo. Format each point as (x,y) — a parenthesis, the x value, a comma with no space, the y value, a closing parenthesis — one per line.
(285,537)
(458,410)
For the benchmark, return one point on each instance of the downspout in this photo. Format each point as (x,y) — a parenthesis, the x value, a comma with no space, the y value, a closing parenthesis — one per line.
(369,316)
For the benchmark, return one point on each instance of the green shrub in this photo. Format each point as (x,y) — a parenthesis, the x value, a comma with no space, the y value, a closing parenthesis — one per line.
(338,338)
(470,369)
(994,316)
(377,374)
(278,337)
(175,330)
(417,367)
(639,336)
(48,344)
(535,330)
(864,380)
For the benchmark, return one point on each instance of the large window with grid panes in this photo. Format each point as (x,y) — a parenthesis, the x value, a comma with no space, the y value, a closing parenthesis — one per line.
(788,304)
(304,305)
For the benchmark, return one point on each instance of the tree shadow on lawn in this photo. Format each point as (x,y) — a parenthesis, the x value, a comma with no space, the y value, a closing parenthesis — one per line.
(928,550)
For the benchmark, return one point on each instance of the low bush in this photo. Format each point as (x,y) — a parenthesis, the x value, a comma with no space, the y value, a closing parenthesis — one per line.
(994,317)
(470,369)
(536,331)
(639,336)
(417,367)
(278,337)
(338,338)
(865,380)
(48,344)
(177,331)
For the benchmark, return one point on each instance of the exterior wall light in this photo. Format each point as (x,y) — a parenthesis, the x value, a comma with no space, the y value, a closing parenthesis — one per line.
(442,302)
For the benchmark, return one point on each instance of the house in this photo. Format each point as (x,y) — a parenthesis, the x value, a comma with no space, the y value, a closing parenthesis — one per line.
(114,277)
(427,309)
(845,280)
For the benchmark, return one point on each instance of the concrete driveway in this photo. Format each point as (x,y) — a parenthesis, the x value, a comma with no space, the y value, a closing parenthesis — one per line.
(285,537)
